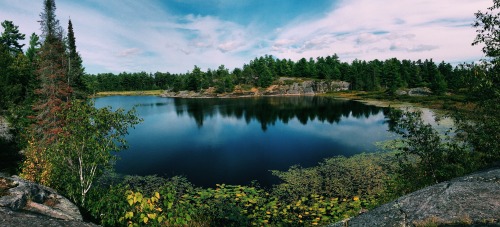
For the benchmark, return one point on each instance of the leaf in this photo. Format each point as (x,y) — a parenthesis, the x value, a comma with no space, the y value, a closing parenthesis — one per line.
(152,216)
(146,219)
(129,215)
(157,195)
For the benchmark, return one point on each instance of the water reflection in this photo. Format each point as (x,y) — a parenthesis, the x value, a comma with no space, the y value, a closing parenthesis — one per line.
(235,141)
(267,111)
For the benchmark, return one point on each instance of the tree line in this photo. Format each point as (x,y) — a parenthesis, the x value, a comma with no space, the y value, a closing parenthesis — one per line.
(389,75)
(374,75)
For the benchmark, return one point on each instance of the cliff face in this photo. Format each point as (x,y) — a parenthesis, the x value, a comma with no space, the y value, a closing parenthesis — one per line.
(469,200)
(24,203)
(285,86)
(307,87)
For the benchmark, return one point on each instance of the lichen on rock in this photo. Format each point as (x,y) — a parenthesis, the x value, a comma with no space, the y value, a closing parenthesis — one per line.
(468,200)
(19,195)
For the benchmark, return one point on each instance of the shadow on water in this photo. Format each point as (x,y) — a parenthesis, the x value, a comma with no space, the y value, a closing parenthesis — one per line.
(267,111)
(235,141)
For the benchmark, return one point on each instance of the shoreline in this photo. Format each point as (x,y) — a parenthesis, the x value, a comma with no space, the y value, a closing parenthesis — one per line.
(256,93)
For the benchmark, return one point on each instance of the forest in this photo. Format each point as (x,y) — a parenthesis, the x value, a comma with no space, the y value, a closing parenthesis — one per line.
(374,75)
(69,144)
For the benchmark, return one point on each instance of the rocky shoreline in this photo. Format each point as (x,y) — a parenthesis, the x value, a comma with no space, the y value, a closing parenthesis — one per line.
(284,87)
(24,203)
(471,200)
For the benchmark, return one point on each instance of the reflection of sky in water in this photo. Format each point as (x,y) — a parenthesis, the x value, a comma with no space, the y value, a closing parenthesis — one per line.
(225,149)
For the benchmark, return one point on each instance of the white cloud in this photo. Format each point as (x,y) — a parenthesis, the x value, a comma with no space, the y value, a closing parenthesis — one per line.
(365,29)
(129,35)
(129,52)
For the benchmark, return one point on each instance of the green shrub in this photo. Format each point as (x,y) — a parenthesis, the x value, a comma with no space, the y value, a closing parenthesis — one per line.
(106,204)
(426,156)
(360,175)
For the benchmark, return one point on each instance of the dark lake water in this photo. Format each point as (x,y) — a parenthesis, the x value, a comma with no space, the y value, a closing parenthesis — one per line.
(235,141)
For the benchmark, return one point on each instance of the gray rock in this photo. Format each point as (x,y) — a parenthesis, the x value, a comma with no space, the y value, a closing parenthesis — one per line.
(401,92)
(18,219)
(23,196)
(471,200)
(420,91)
(285,86)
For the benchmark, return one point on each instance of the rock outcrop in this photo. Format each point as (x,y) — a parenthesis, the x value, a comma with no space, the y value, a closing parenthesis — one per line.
(25,203)
(285,86)
(471,200)
(418,91)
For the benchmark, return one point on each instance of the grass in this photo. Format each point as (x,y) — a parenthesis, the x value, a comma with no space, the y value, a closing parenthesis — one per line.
(128,93)
(443,102)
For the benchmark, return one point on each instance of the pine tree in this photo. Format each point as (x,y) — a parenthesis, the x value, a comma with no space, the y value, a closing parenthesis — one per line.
(53,97)
(75,68)
(35,44)
(10,38)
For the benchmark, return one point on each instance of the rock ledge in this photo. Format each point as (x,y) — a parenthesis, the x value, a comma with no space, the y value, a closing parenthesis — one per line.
(471,200)
(24,203)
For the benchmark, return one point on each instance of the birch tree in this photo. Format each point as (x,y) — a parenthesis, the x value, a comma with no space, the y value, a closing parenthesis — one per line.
(92,137)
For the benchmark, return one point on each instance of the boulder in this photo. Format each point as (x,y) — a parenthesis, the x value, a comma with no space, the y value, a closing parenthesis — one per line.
(20,196)
(470,200)
(18,219)
(418,91)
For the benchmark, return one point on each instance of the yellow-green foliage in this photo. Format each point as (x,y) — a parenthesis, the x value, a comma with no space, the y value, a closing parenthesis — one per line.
(234,205)
(336,189)
(144,210)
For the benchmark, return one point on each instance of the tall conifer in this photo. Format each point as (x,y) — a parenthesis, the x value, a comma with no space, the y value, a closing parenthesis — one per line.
(53,97)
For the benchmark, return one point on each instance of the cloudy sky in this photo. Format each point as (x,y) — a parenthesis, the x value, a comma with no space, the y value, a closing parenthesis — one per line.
(174,35)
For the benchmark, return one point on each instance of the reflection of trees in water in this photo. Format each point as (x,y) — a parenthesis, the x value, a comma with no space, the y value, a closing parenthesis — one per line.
(268,110)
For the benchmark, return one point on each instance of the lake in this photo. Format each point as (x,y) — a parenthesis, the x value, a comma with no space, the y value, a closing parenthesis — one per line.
(235,141)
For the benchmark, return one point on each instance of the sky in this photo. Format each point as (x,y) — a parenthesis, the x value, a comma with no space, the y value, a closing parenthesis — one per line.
(175,35)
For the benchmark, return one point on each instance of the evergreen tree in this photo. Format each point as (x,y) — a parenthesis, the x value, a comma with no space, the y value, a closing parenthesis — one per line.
(439,85)
(55,90)
(194,79)
(75,67)
(35,45)
(392,75)
(10,38)
(14,67)
(53,95)
(300,69)
(49,23)
(6,60)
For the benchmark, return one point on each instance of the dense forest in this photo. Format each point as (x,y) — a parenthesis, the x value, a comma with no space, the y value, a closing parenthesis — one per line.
(69,144)
(373,75)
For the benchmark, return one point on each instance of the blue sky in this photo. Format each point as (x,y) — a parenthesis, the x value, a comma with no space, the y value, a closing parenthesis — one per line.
(174,35)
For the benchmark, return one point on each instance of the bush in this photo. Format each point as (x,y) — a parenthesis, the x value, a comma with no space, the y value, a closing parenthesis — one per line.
(360,175)
(234,205)
(336,189)
(427,157)
(106,204)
